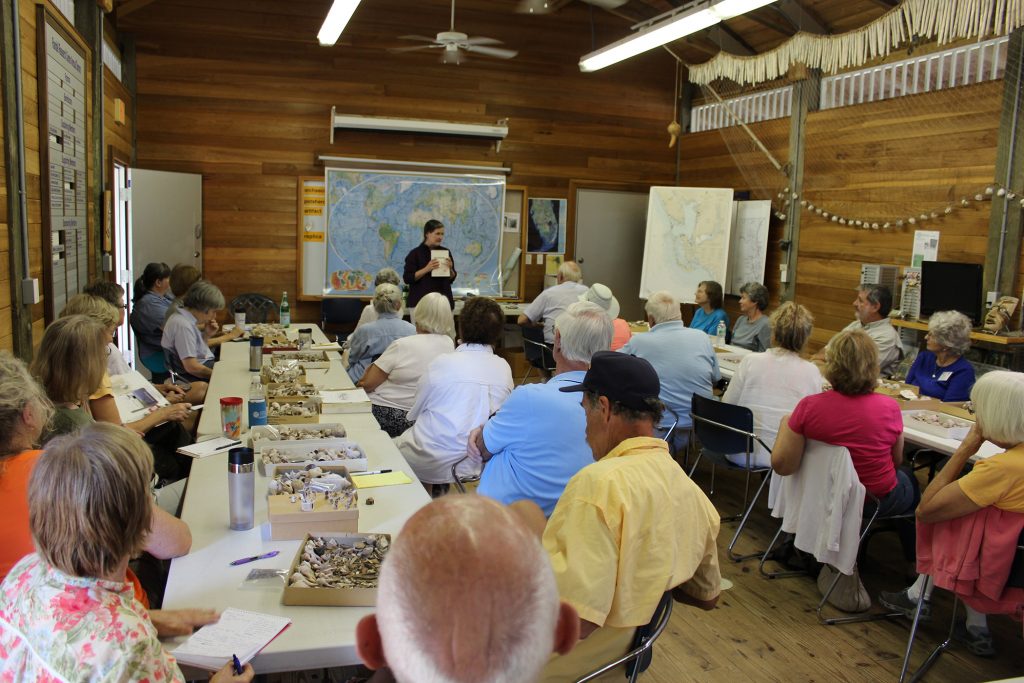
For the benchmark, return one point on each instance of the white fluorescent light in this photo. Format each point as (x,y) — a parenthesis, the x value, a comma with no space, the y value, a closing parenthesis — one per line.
(674,27)
(337,18)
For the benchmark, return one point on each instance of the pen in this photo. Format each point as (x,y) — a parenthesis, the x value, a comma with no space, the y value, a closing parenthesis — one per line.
(244,560)
(236,664)
(357,474)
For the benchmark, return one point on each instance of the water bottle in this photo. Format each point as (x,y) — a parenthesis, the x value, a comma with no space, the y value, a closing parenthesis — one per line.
(241,489)
(257,403)
(720,334)
(285,314)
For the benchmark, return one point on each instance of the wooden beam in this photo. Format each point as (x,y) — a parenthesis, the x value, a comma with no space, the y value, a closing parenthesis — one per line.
(89,22)
(130,6)
(887,4)
(759,17)
(806,96)
(800,17)
(729,40)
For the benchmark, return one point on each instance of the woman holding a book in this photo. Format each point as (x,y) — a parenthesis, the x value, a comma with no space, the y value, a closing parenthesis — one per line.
(429,267)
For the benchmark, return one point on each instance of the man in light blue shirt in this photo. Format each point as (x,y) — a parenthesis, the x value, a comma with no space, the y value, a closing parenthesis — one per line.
(683,358)
(537,441)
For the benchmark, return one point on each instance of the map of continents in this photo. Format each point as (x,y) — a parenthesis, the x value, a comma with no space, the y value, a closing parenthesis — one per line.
(687,239)
(375,218)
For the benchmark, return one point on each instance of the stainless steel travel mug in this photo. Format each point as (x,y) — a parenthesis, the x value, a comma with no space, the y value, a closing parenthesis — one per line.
(241,489)
(255,354)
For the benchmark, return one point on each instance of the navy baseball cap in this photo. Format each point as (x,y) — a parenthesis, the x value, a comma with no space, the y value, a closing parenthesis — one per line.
(623,378)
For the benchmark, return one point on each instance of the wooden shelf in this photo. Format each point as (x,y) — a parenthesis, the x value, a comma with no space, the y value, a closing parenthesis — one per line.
(975,335)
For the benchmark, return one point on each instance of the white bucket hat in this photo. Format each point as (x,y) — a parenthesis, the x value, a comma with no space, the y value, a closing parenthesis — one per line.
(602,296)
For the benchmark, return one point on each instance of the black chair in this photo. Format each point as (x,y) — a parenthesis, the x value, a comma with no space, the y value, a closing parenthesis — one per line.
(259,308)
(538,353)
(639,657)
(339,314)
(721,429)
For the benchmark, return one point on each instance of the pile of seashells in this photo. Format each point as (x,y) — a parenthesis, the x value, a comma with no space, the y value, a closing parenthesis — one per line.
(291,389)
(273,335)
(287,433)
(329,563)
(279,374)
(288,482)
(939,420)
(277,409)
(275,456)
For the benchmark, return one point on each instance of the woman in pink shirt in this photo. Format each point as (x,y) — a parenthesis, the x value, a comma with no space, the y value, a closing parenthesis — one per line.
(867,424)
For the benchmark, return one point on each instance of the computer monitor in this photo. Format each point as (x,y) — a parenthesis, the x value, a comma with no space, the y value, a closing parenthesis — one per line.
(952,287)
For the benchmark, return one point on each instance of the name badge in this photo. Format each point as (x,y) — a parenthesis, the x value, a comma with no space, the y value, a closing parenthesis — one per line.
(944,377)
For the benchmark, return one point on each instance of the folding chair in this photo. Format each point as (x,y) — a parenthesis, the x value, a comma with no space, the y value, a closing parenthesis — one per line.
(259,308)
(340,314)
(538,354)
(723,428)
(639,658)
(460,482)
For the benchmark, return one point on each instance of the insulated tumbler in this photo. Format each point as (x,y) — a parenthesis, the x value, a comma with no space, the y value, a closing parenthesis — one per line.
(241,488)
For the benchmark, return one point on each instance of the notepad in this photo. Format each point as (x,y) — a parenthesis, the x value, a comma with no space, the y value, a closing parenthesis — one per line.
(238,632)
(345,401)
(369,481)
(210,447)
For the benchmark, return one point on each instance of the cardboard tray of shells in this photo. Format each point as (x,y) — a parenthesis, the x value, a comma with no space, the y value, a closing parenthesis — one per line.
(937,423)
(283,373)
(291,392)
(296,432)
(336,569)
(322,452)
(273,335)
(311,498)
(284,412)
(312,360)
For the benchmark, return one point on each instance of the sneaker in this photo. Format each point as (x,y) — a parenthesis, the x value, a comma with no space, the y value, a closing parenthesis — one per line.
(901,602)
(978,640)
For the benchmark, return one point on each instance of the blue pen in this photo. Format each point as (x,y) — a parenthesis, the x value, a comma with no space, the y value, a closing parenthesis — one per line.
(237,664)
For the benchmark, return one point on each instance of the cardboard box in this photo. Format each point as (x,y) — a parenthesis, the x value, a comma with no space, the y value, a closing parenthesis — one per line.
(312,360)
(301,449)
(267,376)
(274,388)
(956,409)
(893,388)
(313,403)
(951,427)
(289,522)
(263,433)
(336,597)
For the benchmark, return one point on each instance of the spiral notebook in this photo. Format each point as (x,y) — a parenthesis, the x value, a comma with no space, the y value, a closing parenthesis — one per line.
(238,632)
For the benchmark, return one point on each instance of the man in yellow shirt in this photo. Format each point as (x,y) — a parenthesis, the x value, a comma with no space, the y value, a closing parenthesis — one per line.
(629,526)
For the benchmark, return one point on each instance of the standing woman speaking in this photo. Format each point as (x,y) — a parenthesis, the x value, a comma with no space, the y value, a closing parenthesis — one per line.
(420,265)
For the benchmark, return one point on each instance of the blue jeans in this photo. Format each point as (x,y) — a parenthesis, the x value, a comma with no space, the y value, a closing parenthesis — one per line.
(900,500)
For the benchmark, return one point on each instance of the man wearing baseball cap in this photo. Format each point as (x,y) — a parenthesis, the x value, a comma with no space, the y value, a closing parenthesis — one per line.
(631,525)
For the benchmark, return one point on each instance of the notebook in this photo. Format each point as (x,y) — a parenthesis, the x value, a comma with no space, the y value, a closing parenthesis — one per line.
(203,449)
(238,632)
(345,401)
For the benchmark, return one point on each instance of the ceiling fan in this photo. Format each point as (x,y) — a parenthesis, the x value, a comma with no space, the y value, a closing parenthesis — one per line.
(453,43)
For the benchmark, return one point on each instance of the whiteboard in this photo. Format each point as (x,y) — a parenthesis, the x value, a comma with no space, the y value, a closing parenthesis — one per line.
(687,239)
(749,243)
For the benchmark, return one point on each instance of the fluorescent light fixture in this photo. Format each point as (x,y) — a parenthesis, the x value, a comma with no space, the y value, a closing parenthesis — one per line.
(498,131)
(676,25)
(337,18)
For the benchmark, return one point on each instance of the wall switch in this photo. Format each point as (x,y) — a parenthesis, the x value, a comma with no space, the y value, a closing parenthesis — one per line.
(783,274)
(30,294)
(990,298)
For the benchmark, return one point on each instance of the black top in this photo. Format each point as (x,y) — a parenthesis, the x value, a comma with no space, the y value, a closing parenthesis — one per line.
(417,259)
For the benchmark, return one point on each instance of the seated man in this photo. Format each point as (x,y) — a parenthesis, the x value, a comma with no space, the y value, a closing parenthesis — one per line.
(466,595)
(536,441)
(872,307)
(550,303)
(631,525)
(684,359)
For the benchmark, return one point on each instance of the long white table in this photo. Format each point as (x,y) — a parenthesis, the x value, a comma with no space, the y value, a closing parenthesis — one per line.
(318,636)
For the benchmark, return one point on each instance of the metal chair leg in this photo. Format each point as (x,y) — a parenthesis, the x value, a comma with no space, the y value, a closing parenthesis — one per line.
(764,558)
(938,650)
(913,627)
(743,522)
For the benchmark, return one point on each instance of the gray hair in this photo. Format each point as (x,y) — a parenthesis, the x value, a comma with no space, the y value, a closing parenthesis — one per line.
(441,551)
(388,275)
(663,307)
(879,295)
(434,315)
(18,390)
(204,296)
(584,328)
(570,271)
(951,330)
(998,397)
(387,298)
(757,293)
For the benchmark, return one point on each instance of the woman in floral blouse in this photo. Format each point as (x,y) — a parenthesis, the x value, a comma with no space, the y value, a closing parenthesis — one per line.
(67,613)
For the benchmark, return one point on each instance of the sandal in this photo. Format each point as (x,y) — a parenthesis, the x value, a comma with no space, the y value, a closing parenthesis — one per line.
(979,643)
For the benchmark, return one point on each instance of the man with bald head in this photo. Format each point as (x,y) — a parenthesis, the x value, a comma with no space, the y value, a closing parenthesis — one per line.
(467,594)
(550,303)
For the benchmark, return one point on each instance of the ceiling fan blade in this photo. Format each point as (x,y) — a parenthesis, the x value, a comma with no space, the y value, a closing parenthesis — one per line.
(480,40)
(413,48)
(492,51)
(423,38)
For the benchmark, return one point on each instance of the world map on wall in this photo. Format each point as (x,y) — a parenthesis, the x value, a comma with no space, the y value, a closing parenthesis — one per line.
(688,230)
(375,218)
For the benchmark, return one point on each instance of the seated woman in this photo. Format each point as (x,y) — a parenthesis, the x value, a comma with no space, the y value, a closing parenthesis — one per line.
(852,415)
(151,297)
(391,380)
(372,339)
(457,392)
(709,308)
(752,329)
(69,610)
(70,364)
(388,276)
(996,481)
(602,296)
(188,330)
(941,371)
(772,383)
(183,276)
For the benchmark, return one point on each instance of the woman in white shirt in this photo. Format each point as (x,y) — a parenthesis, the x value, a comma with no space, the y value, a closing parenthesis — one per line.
(773,382)
(458,391)
(390,381)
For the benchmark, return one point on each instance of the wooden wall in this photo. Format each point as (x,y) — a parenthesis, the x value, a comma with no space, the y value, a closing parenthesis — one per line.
(242,94)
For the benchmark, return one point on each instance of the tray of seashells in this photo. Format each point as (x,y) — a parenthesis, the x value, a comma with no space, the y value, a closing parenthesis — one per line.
(284,373)
(311,498)
(291,391)
(273,454)
(336,569)
(312,360)
(939,424)
(283,412)
(272,334)
(296,432)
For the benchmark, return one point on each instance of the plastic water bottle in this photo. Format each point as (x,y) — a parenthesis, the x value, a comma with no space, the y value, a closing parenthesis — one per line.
(285,314)
(257,403)
(720,334)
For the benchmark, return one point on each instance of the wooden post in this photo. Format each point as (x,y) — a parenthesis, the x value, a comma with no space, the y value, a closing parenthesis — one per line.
(806,96)
(128,77)
(685,105)
(1002,258)
(89,22)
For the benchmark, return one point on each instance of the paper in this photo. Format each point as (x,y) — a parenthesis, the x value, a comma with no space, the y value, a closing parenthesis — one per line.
(369,481)
(441,255)
(238,632)
(511,222)
(345,401)
(926,247)
(210,447)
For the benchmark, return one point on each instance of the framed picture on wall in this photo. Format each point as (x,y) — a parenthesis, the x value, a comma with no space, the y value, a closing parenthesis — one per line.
(546,225)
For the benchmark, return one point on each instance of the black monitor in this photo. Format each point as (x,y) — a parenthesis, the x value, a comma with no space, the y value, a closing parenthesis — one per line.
(952,287)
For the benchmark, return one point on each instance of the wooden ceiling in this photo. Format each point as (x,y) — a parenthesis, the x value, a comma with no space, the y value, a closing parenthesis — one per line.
(752,33)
